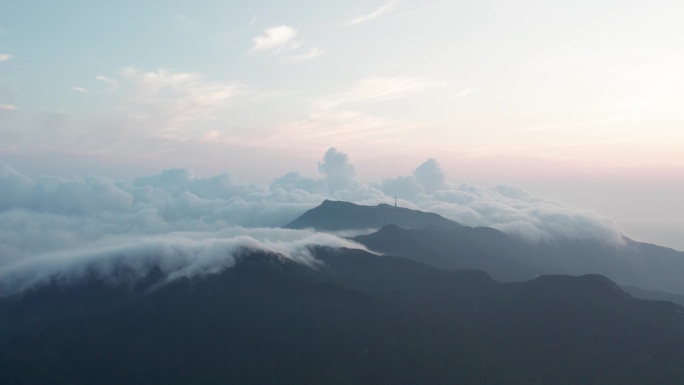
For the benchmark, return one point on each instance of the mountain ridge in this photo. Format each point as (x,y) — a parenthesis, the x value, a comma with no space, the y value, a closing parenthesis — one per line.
(357,318)
(341,215)
(446,244)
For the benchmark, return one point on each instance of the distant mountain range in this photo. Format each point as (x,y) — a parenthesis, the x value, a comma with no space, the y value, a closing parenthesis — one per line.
(432,239)
(440,303)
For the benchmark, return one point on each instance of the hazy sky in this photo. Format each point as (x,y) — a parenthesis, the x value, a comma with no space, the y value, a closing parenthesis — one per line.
(581,101)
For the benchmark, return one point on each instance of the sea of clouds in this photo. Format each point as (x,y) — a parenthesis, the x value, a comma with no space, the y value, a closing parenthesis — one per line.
(62,228)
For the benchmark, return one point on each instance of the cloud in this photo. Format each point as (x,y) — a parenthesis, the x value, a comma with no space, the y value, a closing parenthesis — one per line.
(463,93)
(9,107)
(339,173)
(175,255)
(78,89)
(377,89)
(168,100)
(62,228)
(276,40)
(113,84)
(430,175)
(313,52)
(184,20)
(373,15)
(5,57)
(343,127)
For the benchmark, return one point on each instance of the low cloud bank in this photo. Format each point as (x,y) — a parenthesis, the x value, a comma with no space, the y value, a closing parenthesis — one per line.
(175,255)
(58,222)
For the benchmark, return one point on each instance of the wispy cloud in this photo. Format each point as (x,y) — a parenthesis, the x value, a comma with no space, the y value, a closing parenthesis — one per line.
(78,89)
(113,84)
(252,20)
(347,128)
(276,40)
(373,15)
(8,107)
(171,99)
(463,93)
(184,20)
(313,52)
(5,57)
(377,89)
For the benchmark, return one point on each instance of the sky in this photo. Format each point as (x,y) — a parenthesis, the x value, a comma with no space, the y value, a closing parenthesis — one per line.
(581,102)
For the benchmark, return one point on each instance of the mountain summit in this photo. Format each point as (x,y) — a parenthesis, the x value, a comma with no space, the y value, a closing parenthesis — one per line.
(340,215)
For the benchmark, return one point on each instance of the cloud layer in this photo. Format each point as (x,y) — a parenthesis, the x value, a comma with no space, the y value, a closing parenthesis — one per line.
(175,255)
(63,227)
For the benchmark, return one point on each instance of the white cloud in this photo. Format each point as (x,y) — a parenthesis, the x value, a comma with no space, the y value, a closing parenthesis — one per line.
(339,173)
(430,175)
(377,89)
(373,15)
(53,227)
(113,84)
(313,52)
(78,89)
(176,255)
(344,128)
(463,93)
(276,40)
(169,100)
(5,57)
(8,107)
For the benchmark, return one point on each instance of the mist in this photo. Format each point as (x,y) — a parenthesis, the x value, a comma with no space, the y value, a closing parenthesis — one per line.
(53,227)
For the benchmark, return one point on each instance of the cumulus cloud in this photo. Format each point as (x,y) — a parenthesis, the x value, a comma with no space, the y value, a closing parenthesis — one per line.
(430,176)
(379,12)
(184,224)
(339,173)
(280,39)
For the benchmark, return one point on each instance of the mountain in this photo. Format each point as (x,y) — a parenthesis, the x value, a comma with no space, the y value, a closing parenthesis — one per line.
(358,318)
(339,215)
(432,239)
(655,295)
(480,248)
(511,259)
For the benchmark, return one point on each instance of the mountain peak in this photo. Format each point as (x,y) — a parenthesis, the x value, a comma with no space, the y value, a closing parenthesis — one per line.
(341,215)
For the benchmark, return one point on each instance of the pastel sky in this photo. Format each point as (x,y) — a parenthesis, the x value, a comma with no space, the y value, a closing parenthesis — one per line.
(581,101)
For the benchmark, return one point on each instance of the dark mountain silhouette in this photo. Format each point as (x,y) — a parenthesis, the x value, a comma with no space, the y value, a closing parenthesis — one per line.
(655,295)
(339,215)
(510,259)
(456,248)
(359,318)
(432,239)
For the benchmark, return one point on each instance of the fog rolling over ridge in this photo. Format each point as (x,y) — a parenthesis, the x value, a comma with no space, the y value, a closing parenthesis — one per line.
(53,223)
(176,279)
